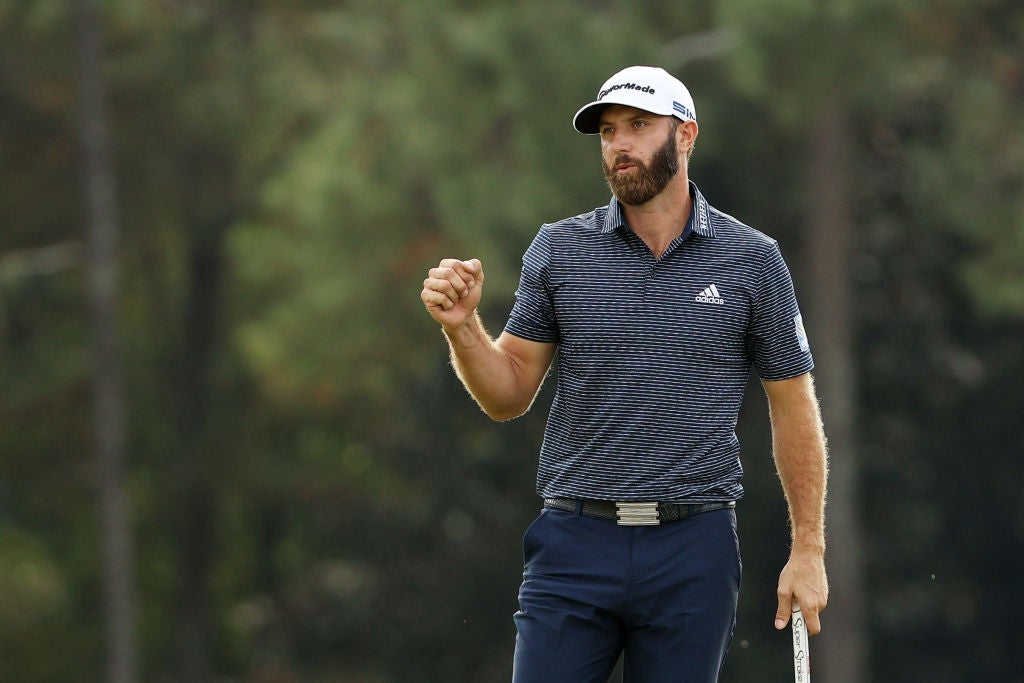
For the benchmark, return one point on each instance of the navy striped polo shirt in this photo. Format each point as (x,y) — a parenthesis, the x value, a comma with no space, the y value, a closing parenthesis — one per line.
(654,354)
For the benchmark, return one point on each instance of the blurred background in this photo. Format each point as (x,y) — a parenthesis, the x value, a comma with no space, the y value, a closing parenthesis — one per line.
(231,445)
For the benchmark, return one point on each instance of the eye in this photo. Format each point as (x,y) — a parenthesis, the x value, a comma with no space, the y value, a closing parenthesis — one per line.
(639,124)
(606,131)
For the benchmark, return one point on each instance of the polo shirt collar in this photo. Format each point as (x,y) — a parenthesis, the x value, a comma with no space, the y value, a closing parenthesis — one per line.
(700,218)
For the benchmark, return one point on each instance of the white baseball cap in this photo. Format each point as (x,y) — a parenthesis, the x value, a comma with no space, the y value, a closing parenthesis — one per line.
(645,87)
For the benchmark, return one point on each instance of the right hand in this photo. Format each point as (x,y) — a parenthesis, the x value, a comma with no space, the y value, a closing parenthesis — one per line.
(452,291)
(803,581)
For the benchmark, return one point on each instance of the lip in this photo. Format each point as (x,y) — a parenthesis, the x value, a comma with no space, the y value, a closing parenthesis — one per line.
(623,168)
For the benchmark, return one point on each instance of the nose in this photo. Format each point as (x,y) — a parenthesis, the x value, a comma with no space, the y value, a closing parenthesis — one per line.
(619,141)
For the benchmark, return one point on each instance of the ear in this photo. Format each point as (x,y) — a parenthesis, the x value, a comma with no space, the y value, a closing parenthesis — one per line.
(686,135)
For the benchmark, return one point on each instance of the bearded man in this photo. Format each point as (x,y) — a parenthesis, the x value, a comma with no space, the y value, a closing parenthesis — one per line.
(658,305)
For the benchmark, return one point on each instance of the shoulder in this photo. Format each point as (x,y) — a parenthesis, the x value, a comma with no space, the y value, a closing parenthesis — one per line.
(748,253)
(728,233)
(589,222)
(739,234)
(564,235)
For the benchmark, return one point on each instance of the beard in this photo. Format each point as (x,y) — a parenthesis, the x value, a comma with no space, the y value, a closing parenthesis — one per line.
(642,186)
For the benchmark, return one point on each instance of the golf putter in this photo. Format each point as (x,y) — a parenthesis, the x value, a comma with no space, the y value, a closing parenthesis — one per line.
(801,655)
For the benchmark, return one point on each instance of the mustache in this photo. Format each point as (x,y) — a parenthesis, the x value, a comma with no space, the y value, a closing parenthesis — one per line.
(622,159)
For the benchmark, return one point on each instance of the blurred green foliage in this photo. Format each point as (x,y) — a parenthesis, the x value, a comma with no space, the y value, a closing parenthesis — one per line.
(312,491)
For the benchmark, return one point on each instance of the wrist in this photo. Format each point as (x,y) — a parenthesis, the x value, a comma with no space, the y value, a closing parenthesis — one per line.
(463,334)
(808,547)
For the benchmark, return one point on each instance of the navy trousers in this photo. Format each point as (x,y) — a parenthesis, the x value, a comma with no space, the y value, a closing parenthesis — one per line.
(665,595)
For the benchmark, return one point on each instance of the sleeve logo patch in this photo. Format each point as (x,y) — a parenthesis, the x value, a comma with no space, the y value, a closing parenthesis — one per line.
(801,333)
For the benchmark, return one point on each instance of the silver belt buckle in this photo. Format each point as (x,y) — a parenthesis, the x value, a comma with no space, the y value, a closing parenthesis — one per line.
(637,514)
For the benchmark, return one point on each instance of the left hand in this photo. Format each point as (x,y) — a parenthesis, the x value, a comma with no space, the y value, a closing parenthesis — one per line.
(803,580)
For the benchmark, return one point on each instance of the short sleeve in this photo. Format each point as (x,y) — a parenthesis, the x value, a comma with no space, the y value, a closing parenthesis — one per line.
(533,314)
(776,338)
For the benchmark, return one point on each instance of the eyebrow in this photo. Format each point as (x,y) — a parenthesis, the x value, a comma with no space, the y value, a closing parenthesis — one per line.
(605,122)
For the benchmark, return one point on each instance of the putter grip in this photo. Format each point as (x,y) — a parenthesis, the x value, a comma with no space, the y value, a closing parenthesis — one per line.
(801,655)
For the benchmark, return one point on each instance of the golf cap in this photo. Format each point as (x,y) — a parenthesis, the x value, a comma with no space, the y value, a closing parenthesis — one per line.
(644,87)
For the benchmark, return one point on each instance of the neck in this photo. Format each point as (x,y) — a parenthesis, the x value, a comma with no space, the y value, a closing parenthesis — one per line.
(664,217)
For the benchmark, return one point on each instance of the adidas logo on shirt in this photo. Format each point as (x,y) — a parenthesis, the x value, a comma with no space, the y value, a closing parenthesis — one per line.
(710,295)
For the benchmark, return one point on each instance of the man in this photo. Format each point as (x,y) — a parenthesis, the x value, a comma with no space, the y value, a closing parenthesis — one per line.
(658,304)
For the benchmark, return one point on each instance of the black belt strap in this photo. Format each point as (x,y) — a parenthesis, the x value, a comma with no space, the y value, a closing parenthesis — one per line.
(607,509)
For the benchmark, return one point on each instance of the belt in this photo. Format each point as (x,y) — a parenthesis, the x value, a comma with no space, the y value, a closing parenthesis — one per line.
(636,514)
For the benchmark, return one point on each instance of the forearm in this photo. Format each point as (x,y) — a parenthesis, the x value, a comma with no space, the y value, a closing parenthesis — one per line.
(490,374)
(798,444)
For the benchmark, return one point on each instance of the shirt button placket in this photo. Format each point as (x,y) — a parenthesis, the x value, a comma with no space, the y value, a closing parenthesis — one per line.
(652,269)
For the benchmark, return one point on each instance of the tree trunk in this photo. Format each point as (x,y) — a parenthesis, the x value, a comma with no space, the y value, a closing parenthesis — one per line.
(843,647)
(197,500)
(98,179)
(194,604)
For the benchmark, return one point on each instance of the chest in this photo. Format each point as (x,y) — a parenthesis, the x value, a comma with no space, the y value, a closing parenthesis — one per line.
(693,301)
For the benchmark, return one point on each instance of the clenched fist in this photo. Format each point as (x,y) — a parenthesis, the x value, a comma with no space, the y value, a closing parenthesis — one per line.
(452,291)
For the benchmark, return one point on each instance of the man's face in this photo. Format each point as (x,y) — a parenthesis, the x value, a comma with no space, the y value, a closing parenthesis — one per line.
(639,154)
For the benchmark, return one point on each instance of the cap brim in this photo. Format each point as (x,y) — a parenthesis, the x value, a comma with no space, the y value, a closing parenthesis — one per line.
(588,119)
(589,116)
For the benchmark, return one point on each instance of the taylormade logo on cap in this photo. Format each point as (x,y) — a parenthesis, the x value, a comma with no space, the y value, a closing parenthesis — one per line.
(645,87)
(631,86)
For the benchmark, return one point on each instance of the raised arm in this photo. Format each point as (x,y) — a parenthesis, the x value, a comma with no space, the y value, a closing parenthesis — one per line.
(503,376)
(798,445)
